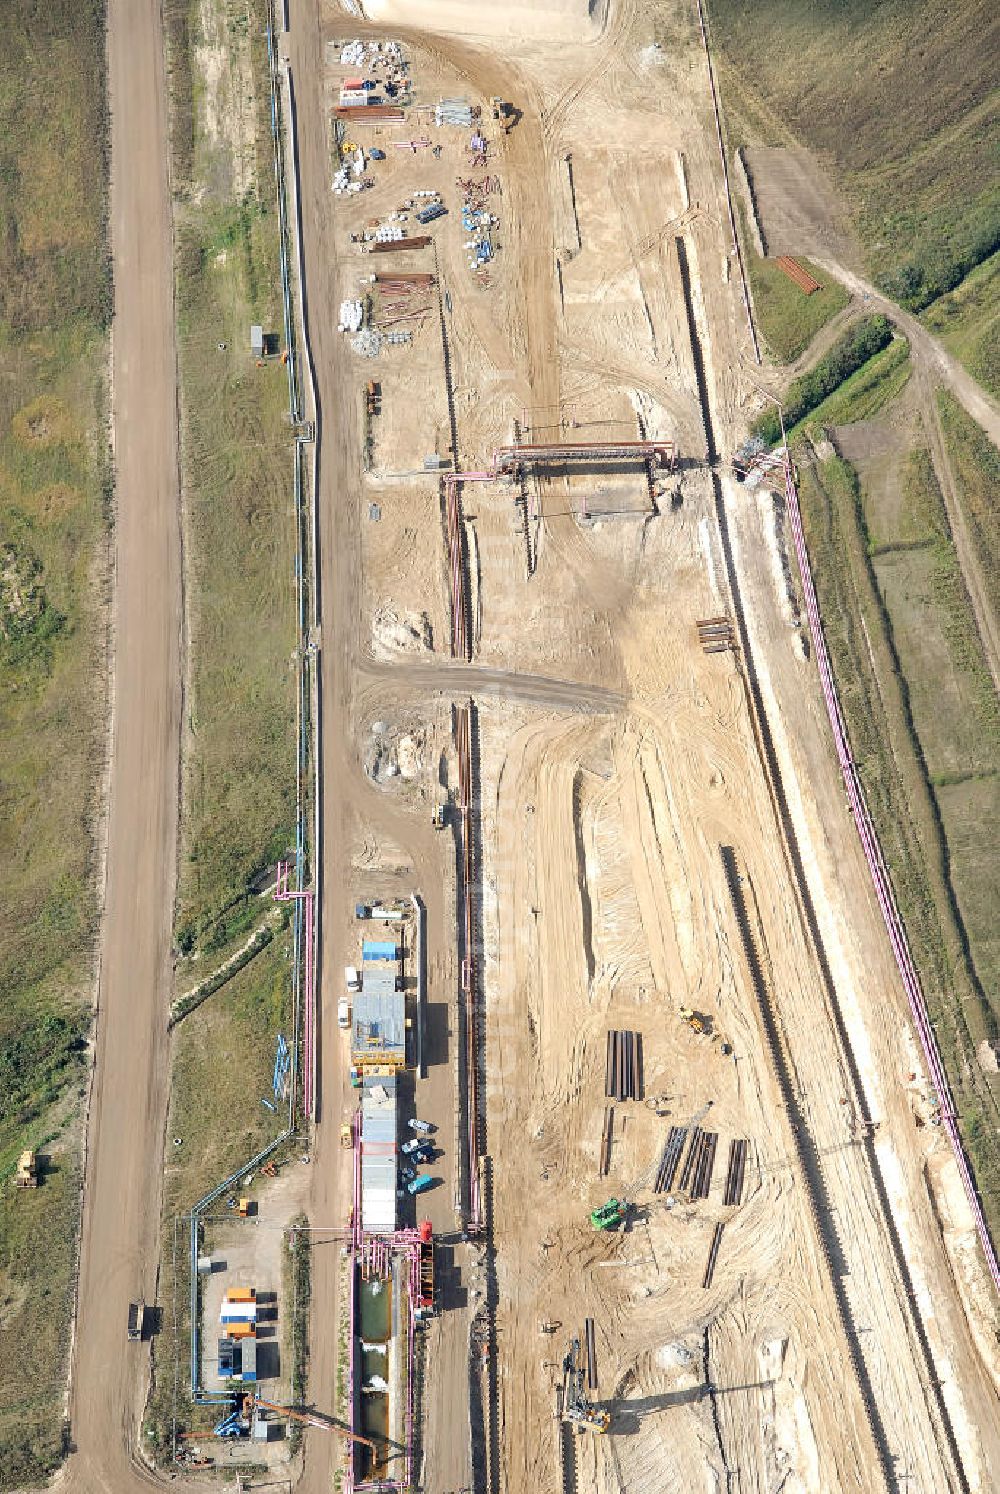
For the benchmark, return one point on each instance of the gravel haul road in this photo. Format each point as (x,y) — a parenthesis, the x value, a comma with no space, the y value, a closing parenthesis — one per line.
(121,1200)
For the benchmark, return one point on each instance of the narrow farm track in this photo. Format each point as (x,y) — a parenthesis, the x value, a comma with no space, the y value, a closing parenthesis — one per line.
(121,1198)
(927,352)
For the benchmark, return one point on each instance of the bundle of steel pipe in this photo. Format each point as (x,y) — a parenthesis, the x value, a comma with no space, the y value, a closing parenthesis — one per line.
(696,1175)
(798,274)
(713,1256)
(670,1159)
(623,1067)
(737,1168)
(704,1165)
(588,1338)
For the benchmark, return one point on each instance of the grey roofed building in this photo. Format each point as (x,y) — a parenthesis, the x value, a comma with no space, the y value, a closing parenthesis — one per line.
(378,1155)
(378,1028)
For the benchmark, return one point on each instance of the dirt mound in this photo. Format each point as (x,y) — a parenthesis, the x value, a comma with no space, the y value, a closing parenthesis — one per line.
(542,20)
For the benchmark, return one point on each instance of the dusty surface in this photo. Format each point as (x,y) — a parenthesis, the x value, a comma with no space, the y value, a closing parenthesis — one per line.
(617,759)
(128,1103)
(800,212)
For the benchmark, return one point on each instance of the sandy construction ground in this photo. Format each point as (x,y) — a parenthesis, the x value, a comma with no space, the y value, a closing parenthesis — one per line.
(832,1349)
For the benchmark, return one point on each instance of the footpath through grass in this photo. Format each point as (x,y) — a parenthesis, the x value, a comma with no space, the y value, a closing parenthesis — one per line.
(55,521)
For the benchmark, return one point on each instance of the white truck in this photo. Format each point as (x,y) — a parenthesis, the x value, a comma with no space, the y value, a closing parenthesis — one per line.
(343,1013)
(351,978)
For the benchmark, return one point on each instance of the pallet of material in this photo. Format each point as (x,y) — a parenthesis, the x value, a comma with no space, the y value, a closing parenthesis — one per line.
(419,241)
(797,274)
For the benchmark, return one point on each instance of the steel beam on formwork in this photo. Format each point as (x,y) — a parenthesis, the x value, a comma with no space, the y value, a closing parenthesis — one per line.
(661,453)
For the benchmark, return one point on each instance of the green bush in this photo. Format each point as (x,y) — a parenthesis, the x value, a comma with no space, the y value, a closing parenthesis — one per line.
(849,353)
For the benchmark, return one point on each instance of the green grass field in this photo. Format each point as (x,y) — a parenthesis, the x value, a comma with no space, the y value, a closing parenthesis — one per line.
(975,462)
(967,320)
(899,103)
(55,517)
(239,788)
(786,319)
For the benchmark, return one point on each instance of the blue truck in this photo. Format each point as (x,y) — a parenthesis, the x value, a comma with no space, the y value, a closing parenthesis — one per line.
(428,214)
(419,1183)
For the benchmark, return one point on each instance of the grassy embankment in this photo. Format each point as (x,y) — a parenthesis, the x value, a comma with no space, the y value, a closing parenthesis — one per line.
(55,522)
(239,745)
(787,319)
(920,703)
(967,320)
(899,104)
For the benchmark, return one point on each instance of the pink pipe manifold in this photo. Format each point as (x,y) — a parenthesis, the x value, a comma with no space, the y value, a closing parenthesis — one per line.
(880,878)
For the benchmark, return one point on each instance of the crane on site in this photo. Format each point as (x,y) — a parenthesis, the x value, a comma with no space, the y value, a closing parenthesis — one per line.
(575,1406)
(314,1419)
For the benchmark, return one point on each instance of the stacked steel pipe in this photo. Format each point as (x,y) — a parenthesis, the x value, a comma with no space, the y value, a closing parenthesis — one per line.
(623,1068)
(798,274)
(713,1256)
(670,1159)
(737,1168)
(715,634)
(696,1174)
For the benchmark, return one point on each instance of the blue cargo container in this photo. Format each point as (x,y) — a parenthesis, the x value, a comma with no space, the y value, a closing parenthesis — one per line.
(379,949)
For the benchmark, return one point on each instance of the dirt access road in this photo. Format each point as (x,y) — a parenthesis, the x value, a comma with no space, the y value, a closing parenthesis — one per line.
(121,1199)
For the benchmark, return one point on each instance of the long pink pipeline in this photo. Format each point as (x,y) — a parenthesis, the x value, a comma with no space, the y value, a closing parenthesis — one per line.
(883,888)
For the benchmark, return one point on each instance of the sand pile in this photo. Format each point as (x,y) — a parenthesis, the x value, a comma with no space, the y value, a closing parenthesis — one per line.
(539,20)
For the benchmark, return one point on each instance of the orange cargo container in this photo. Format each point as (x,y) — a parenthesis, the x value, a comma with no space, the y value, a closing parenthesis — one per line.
(241,1294)
(241,1330)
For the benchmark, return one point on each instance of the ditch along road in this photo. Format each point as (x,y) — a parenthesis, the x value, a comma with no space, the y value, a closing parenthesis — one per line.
(121,1195)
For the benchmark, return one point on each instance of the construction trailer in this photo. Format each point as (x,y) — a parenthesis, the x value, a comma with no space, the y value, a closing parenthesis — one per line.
(237,1359)
(378,1155)
(136,1321)
(27,1170)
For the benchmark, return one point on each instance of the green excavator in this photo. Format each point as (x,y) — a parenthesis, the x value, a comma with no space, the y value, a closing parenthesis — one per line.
(609,1215)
